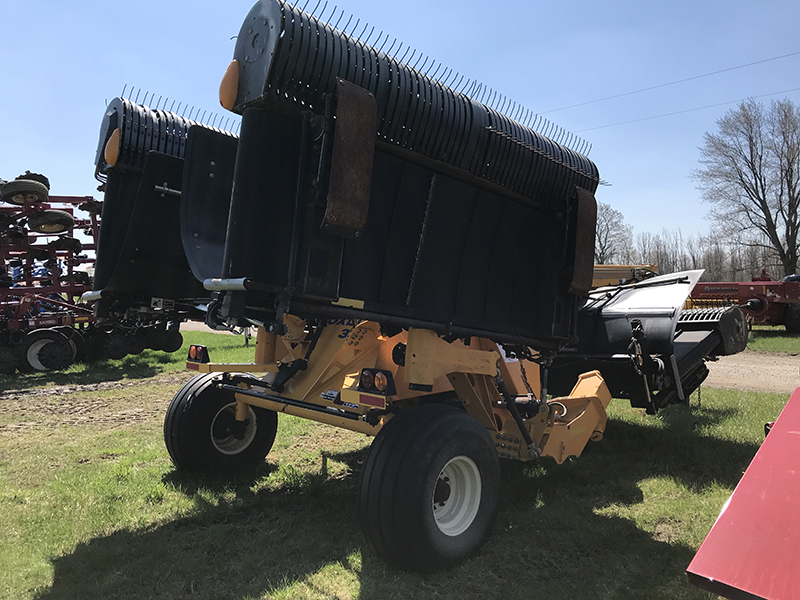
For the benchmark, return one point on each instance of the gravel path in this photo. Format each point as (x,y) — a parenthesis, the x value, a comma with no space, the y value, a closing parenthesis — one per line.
(757,371)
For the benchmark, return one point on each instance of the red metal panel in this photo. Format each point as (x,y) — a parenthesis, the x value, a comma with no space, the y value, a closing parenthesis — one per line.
(753,550)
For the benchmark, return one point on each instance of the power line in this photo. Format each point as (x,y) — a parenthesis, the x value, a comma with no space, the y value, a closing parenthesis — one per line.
(662,85)
(688,110)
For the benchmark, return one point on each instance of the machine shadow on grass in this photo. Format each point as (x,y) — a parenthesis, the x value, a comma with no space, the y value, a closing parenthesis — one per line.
(550,541)
(135,366)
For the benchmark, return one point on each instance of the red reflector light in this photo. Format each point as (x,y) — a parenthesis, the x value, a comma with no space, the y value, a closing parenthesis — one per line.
(198,353)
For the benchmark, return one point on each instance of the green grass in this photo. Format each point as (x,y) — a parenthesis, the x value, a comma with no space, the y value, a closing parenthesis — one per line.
(96,510)
(773,339)
(222,348)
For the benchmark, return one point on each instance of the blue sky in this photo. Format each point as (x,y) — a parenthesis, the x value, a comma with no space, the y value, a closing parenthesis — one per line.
(62,61)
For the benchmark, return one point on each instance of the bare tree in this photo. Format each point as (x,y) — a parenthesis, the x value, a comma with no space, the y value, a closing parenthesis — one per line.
(751,176)
(613,237)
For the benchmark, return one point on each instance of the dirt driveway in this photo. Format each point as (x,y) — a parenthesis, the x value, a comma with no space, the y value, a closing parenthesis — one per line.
(757,371)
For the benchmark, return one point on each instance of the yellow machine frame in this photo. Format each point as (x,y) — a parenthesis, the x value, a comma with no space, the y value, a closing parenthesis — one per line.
(559,428)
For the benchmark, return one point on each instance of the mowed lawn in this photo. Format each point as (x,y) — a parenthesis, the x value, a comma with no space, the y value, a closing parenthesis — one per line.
(91,507)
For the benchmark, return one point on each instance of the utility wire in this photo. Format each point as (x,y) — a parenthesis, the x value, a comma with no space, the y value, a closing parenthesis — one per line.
(662,85)
(688,110)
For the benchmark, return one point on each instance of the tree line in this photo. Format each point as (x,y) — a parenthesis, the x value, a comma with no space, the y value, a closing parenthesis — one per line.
(750,177)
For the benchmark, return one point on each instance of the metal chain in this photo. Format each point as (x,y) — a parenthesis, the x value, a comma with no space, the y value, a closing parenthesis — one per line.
(525,381)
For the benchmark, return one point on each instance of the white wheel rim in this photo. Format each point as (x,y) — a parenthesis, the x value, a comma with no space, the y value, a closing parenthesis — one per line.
(229,444)
(32,355)
(457,496)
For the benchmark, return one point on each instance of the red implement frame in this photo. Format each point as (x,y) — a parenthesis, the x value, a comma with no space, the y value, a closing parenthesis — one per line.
(753,550)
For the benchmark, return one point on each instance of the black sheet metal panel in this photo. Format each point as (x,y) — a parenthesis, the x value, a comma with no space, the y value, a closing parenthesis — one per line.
(151,262)
(120,198)
(274,36)
(260,223)
(206,199)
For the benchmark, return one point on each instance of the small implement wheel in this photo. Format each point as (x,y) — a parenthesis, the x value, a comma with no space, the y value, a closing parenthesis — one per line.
(115,346)
(791,318)
(201,432)
(172,341)
(45,350)
(23,191)
(429,489)
(50,221)
(76,340)
(27,175)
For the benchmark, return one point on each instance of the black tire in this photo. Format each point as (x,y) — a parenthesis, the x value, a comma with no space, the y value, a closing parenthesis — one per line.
(23,191)
(115,346)
(51,221)
(135,342)
(35,177)
(76,341)
(77,277)
(66,243)
(44,350)
(198,429)
(791,318)
(154,336)
(172,341)
(94,207)
(8,360)
(94,339)
(410,514)
(38,253)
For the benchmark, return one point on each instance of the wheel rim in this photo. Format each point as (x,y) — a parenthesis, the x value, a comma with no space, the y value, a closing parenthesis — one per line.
(32,354)
(51,228)
(23,198)
(222,430)
(457,496)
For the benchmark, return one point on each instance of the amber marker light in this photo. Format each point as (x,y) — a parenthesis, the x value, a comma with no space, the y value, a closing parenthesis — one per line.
(381,381)
(111,153)
(229,87)
(367,380)
(198,353)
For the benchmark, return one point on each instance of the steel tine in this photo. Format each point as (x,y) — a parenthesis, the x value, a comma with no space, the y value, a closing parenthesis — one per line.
(448,76)
(336,26)
(410,58)
(344,29)
(386,39)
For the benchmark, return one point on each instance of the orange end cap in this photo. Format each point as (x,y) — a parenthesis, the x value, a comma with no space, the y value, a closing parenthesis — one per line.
(229,87)
(111,153)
